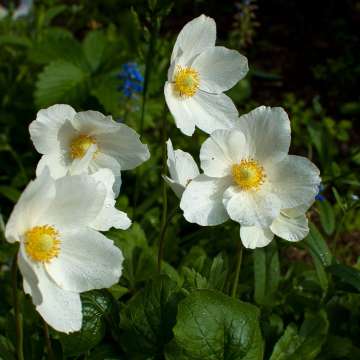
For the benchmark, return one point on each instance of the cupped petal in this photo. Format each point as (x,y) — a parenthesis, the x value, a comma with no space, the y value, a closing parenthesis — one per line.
(87,260)
(196,36)
(44,130)
(220,68)
(202,200)
(269,131)
(125,146)
(212,111)
(94,123)
(251,208)
(55,163)
(290,228)
(295,181)
(78,201)
(182,166)
(61,309)
(32,204)
(221,150)
(254,237)
(176,187)
(180,110)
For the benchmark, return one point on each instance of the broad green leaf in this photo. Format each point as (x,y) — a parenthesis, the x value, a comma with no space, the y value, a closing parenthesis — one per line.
(94,46)
(327,216)
(267,274)
(60,82)
(305,343)
(316,243)
(347,274)
(149,317)
(213,326)
(97,307)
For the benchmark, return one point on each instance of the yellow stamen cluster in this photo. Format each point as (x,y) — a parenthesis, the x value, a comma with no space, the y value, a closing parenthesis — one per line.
(248,174)
(186,81)
(42,243)
(80,145)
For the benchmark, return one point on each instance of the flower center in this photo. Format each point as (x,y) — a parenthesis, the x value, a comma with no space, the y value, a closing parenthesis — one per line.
(248,174)
(42,243)
(186,81)
(80,146)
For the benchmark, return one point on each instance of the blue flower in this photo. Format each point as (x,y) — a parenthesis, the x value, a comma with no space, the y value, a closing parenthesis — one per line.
(132,80)
(319,196)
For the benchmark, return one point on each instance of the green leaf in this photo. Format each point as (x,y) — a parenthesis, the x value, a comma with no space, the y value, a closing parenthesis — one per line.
(337,347)
(305,343)
(10,193)
(267,274)
(60,82)
(149,317)
(316,243)
(94,47)
(347,274)
(327,216)
(97,306)
(7,351)
(213,326)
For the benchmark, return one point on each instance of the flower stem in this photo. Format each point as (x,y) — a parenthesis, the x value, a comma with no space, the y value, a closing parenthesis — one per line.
(51,355)
(237,270)
(18,318)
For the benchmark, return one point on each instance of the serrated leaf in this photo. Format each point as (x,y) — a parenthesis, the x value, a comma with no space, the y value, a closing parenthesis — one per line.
(305,343)
(60,82)
(347,274)
(327,216)
(96,307)
(149,317)
(266,273)
(213,326)
(94,47)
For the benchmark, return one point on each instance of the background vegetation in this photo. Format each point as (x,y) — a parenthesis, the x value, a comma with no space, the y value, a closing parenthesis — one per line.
(303,56)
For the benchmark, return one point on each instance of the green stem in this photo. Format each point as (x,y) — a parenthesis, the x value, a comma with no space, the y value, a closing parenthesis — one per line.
(18,319)
(51,355)
(237,270)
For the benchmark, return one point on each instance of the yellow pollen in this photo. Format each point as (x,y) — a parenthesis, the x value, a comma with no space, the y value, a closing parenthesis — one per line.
(80,145)
(248,174)
(186,81)
(42,243)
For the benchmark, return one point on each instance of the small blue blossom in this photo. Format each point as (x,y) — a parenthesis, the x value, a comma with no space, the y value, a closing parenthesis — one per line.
(319,196)
(132,80)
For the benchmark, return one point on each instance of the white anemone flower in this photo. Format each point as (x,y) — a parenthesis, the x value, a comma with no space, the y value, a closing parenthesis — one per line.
(64,137)
(248,174)
(199,73)
(60,254)
(291,225)
(182,168)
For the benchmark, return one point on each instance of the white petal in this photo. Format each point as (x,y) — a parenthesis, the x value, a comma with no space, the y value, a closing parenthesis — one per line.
(220,68)
(78,201)
(61,309)
(251,208)
(221,150)
(32,204)
(290,228)
(269,130)
(202,201)
(94,123)
(125,146)
(44,130)
(212,111)
(177,188)
(196,36)
(180,110)
(182,166)
(81,165)
(55,163)
(87,260)
(255,237)
(295,180)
